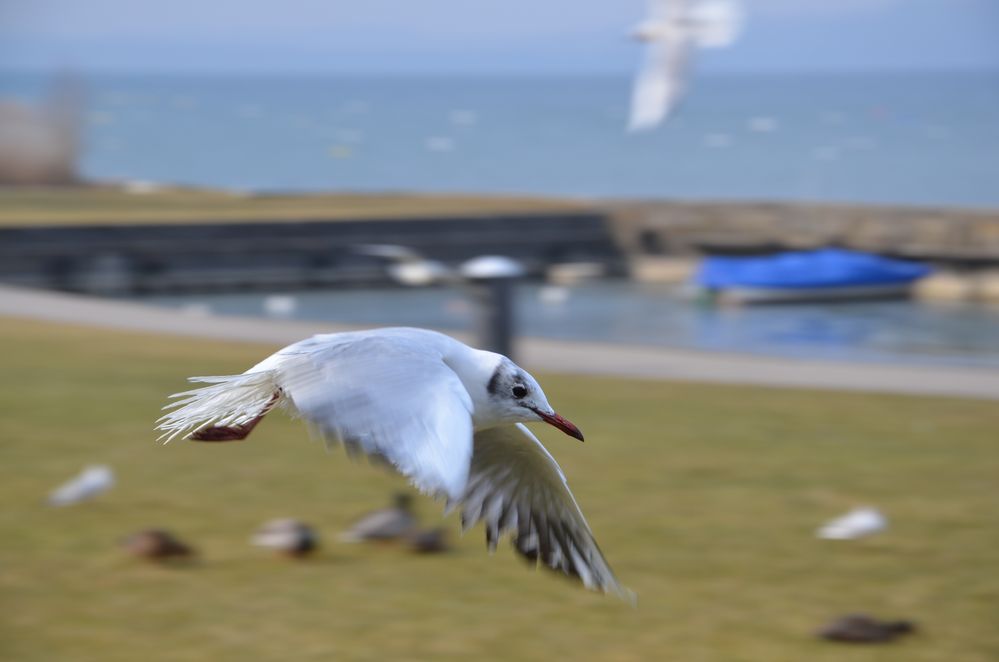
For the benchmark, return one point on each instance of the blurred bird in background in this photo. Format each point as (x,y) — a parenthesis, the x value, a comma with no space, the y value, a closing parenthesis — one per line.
(157,545)
(288,537)
(673,29)
(858,523)
(385,524)
(429,541)
(864,629)
(95,479)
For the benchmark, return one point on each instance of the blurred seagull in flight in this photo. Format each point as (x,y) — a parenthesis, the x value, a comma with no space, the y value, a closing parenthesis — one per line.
(448,417)
(672,31)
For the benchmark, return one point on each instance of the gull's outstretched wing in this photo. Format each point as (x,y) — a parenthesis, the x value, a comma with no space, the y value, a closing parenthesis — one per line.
(388,398)
(715,23)
(664,10)
(659,84)
(515,485)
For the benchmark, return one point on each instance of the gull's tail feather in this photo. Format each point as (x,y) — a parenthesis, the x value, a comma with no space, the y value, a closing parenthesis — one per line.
(226,410)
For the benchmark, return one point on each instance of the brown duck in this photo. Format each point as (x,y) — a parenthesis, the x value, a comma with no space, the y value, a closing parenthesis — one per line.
(156,545)
(864,629)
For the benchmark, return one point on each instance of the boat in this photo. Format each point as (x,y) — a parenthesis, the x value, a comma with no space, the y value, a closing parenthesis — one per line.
(826,274)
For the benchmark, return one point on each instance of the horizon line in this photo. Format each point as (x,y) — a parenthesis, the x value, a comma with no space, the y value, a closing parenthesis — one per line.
(492,73)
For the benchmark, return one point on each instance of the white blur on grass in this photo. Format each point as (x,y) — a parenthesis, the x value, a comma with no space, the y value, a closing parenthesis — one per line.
(858,523)
(92,481)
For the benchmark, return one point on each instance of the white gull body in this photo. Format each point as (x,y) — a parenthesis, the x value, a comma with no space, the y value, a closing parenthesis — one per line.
(673,30)
(446,416)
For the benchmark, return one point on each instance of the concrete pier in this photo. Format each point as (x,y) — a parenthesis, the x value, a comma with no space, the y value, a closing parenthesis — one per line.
(957,237)
(653,241)
(124,259)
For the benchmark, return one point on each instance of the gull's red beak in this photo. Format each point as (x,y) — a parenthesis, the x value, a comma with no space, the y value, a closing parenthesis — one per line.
(563,424)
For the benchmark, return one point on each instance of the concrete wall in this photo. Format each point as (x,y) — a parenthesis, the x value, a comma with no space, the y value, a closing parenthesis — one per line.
(655,240)
(122,259)
(963,238)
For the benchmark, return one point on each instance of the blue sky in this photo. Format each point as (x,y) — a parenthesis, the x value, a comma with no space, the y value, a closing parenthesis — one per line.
(479,36)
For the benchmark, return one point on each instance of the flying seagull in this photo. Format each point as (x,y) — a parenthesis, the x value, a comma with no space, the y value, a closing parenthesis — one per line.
(672,31)
(448,417)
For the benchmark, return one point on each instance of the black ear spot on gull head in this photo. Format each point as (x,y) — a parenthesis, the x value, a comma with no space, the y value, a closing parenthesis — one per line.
(494,382)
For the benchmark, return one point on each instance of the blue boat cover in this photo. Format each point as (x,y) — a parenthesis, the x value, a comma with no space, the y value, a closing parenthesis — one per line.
(827,267)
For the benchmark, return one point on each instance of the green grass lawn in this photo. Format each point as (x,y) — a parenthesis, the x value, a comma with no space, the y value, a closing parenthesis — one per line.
(704,498)
(88,206)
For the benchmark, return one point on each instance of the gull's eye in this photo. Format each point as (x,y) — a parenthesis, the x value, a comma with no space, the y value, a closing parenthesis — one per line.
(519,391)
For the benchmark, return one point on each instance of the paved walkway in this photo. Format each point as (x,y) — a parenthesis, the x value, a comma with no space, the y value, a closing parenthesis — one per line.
(538,354)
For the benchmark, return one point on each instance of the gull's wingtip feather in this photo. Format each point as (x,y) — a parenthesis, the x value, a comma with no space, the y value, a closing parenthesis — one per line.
(630,597)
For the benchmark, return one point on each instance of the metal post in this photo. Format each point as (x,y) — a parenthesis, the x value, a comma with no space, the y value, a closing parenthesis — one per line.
(491,281)
(494,316)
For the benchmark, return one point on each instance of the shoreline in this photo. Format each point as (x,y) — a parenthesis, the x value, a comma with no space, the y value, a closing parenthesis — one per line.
(961,237)
(136,237)
(567,357)
(142,202)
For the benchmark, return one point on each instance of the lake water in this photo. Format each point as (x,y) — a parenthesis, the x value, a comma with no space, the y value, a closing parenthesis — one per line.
(918,139)
(928,139)
(623,312)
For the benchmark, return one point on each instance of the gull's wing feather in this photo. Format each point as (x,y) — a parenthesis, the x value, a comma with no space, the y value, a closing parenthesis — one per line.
(515,485)
(666,9)
(659,84)
(715,23)
(393,399)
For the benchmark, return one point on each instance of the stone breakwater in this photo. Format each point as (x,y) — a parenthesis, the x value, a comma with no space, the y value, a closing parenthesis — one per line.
(658,240)
(124,259)
(663,239)
(958,237)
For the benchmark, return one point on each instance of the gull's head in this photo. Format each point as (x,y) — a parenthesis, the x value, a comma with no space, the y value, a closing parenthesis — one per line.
(513,396)
(648,31)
